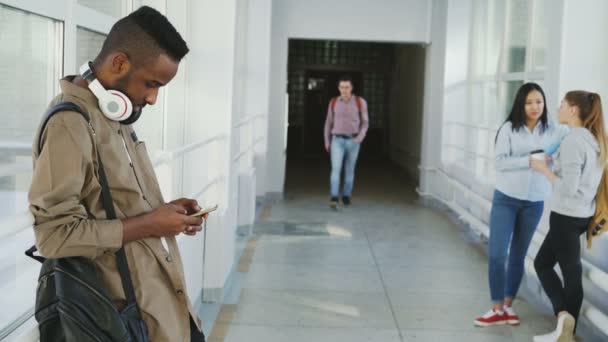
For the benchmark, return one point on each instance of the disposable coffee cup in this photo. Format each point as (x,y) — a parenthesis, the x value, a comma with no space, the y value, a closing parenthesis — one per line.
(538,155)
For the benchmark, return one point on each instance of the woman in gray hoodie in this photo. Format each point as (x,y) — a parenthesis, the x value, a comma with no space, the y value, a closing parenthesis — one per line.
(578,168)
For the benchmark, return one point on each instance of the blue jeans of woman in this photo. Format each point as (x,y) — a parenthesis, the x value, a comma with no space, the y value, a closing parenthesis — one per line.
(512,223)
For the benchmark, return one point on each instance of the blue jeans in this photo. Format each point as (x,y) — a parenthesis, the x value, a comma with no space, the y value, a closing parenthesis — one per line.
(343,149)
(512,221)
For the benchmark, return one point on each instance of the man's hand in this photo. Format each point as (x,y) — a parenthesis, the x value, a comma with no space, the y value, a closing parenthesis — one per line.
(191,205)
(172,219)
(169,220)
(327,146)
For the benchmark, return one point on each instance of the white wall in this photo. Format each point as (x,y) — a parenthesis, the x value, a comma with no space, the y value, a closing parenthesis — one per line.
(433,97)
(583,50)
(258,78)
(386,20)
(211,77)
(383,20)
(405,124)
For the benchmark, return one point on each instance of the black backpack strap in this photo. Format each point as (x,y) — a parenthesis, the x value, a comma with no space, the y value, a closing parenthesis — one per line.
(106,198)
(59,107)
(30,253)
(121,257)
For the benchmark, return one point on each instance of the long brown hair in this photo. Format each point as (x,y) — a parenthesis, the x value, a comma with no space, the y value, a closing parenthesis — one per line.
(590,107)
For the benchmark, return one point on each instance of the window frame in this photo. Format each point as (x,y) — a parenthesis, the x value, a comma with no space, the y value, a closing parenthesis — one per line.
(71,16)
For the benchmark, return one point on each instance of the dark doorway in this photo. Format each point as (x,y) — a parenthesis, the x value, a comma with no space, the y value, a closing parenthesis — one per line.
(322,85)
(314,67)
(389,76)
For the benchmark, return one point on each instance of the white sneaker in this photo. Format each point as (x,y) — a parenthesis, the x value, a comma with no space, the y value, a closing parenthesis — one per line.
(550,337)
(512,317)
(564,332)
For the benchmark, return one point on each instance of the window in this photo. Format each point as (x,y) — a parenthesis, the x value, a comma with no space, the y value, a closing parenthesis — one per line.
(30,66)
(109,7)
(150,126)
(517,34)
(88,45)
(539,36)
(505,42)
(487,42)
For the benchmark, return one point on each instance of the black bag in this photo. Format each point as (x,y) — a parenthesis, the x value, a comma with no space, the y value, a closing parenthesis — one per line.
(71,302)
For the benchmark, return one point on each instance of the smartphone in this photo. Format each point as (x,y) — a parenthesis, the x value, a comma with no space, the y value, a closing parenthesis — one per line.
(204,211)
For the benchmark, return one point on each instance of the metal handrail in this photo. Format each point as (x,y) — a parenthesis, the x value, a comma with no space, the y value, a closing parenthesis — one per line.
(15,224)
(15,168)
(169,156)
(468,125)
(246,119)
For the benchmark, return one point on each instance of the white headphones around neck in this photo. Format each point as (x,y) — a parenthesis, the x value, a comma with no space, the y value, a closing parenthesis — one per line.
(114,105)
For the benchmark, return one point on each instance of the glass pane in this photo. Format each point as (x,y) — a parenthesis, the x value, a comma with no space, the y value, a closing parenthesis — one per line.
(36,44)
(509,89)
(18,281)
(88,45)
(150,125)
(488,22)
(30,66)
(517,36)
(494,36)
(110,7)
(490,101)
(539,35)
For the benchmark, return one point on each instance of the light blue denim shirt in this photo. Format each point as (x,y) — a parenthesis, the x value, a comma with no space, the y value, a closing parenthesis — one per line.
(514,177)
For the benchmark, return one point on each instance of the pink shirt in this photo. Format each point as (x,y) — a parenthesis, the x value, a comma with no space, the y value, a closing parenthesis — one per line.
(347,120)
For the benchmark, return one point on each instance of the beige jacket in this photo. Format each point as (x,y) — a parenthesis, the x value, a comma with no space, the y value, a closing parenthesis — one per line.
(65,199)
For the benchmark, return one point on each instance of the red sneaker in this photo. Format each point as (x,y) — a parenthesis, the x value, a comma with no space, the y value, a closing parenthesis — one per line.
(512,317)
(492,317)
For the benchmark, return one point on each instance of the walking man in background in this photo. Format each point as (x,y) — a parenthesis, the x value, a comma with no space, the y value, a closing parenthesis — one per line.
(345,128)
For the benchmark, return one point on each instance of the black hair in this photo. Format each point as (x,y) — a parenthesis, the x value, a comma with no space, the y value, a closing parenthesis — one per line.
(345,78)
(517,116)
(144,34)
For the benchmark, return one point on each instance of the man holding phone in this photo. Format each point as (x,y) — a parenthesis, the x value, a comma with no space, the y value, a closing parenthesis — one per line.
(141,53)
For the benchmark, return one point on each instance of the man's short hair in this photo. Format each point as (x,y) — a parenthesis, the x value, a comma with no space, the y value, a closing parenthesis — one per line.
(142,35)
(345,78)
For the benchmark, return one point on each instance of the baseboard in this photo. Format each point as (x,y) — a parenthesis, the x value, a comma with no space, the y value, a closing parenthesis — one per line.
(274,196)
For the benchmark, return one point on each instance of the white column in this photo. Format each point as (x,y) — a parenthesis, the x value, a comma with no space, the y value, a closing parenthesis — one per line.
(277,115)
(210,80)
(584,48)
(432,120)
(554,18)
(258,82)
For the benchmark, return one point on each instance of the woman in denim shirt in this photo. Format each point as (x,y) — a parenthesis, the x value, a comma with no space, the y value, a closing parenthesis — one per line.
(519,197)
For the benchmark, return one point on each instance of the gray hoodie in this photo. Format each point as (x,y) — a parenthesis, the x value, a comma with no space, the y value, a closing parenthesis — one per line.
(579,169)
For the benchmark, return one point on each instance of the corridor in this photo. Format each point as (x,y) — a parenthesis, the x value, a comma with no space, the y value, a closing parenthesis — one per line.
(385,269)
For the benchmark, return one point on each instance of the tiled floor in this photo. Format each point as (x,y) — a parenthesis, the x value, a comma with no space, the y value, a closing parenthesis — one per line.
(385,269)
